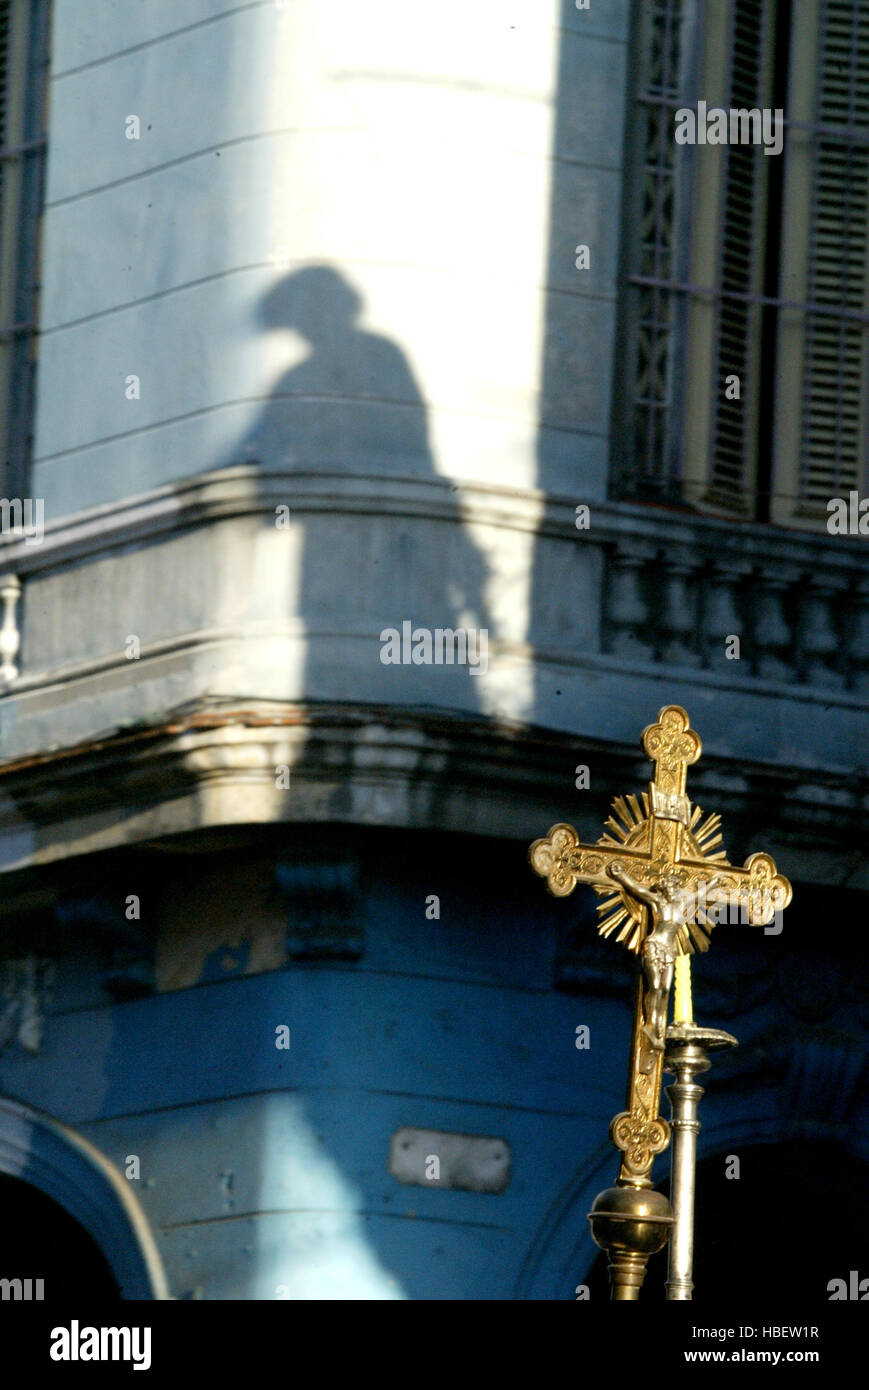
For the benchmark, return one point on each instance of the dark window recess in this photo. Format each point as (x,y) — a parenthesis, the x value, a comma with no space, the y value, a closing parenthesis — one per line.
(24,61)
(835,435)
(746,469)
(742,233)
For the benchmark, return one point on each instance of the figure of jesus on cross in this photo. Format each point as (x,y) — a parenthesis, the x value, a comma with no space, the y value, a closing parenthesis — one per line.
(671,907)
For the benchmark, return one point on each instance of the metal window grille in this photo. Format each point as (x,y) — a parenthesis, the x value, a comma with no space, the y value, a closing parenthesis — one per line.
(748,299)
(653,437)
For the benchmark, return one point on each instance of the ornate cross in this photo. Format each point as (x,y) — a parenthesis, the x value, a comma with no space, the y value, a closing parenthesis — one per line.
(663,881)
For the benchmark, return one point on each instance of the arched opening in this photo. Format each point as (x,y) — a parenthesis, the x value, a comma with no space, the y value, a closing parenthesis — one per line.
(42,1242)
(752,1231)
(72,1212)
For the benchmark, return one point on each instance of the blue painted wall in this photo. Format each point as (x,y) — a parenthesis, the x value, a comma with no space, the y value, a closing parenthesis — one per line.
(264,1172)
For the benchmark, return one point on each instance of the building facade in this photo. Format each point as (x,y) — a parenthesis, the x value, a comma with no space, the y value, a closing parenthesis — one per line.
(357,327)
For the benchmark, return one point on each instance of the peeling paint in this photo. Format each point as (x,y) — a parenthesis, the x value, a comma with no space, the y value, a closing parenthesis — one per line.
(220,910)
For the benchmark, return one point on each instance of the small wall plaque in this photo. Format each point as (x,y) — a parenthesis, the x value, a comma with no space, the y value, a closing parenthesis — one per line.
(431,1158)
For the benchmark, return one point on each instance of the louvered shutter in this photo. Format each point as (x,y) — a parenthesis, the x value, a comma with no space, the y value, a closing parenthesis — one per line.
(836,365)
(733,461)
(789,229)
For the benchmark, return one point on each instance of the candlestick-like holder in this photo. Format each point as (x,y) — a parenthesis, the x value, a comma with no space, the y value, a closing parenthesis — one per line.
(630,1224)
(686,1056)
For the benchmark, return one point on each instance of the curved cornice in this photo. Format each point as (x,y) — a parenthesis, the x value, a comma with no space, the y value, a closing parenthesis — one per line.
(245,489)
(213,763)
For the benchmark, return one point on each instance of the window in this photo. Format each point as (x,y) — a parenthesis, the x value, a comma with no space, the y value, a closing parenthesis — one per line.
(23,69)
(742,264)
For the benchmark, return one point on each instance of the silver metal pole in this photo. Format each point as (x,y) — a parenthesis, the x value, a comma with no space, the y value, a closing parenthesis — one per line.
(686,1057)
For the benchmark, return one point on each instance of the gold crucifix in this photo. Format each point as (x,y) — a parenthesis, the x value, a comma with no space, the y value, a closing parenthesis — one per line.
(664,881)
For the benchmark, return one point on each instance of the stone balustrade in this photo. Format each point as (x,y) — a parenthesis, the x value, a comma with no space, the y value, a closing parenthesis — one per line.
(678,589)
(644,591)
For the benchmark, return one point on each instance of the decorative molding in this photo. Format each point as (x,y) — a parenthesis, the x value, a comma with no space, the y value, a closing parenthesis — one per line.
(10,637)
(323,898)
(245,489)
(378,765)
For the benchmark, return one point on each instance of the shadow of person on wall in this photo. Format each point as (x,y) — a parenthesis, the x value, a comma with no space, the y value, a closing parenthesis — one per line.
(353,401)
(351,409)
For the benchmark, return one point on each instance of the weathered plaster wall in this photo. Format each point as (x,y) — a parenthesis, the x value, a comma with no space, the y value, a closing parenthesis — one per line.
(413,157)
(264,1171)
